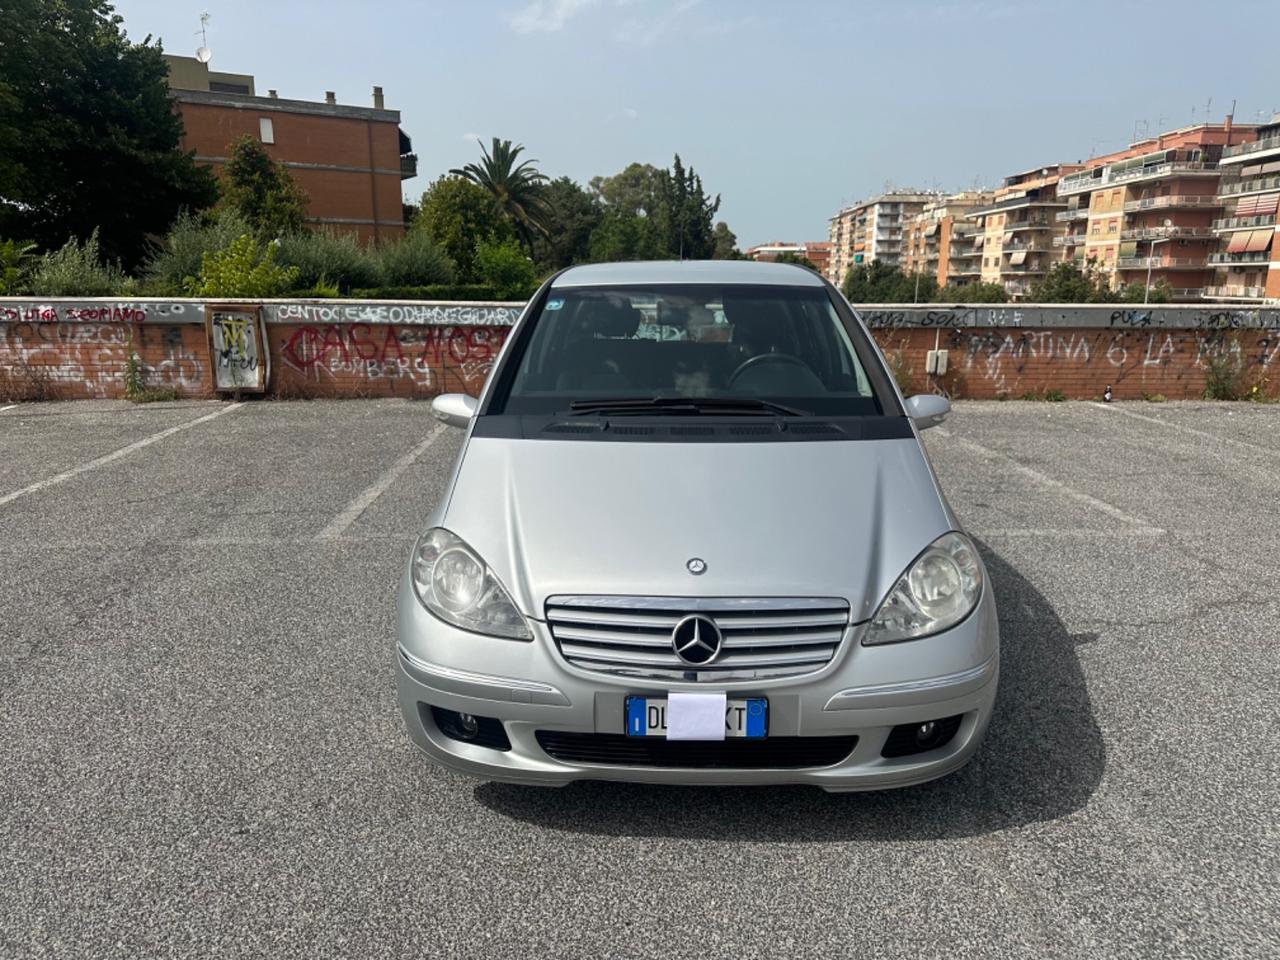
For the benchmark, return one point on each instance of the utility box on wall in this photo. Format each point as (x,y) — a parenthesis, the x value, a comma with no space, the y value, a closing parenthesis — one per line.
(237,347)
(935,362)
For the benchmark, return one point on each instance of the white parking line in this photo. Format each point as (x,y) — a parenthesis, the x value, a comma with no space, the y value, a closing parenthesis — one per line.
(114,456)
(1140,526)
(1205,434)
(338,525)
(9,407)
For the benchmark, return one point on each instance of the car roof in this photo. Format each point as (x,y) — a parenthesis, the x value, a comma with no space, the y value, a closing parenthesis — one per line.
(688,271)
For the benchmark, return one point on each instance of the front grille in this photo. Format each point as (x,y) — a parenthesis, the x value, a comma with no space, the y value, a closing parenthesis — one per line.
(778,753)
(760,637)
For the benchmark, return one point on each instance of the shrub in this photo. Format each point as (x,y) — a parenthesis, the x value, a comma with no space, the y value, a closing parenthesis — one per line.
(901,370)
(336,258)
(415,261)
(242,270)
(1224,371)
(504,266)
(180,255)
(1055,396)
(974,293)
(439,291)
(76,270)
(15,261)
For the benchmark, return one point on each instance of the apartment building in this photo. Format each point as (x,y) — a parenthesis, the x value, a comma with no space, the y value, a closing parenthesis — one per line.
(350,160)
(1018,228)
(872,230)
(817,252)
(1148,210)
(939,240)
(1246,259)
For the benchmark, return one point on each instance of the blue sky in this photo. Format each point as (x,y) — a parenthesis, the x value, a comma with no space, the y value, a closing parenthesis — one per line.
(788,108)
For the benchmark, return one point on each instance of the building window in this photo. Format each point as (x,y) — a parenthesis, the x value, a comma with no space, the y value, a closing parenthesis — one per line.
(266,130)
(1112,226)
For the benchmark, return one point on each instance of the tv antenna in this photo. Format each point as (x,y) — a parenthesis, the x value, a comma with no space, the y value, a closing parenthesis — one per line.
(203,53)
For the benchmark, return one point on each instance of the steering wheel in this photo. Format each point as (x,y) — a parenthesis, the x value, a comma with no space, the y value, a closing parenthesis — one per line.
(763,358)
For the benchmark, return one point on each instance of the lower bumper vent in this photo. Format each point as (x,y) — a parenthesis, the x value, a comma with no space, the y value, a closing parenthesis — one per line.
(783,753)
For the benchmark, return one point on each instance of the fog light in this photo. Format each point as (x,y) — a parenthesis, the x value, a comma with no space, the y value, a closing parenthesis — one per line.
(469,726)
(924,732)
(907,739)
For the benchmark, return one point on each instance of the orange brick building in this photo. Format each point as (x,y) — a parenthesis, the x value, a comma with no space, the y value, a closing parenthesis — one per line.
(349,160)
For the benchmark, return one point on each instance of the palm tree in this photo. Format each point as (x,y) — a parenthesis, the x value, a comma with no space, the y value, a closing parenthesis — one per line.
(517,189)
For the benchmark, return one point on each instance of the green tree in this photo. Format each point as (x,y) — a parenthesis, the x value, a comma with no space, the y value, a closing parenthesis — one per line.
(1136,292)
(797,259)
(1068,283)
(244,269)
(262,192)
(456,214)
(574,213)
(624,236)
(507,268)
(686,214)
(180,253)
(517,188)
(635,191)
(15,260)
(726,245)
(88,135)
(975,293)
(878,282)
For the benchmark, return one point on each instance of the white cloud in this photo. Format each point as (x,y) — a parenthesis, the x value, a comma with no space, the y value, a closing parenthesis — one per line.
(631,112)
(471,137)
(646,31)
(545,16)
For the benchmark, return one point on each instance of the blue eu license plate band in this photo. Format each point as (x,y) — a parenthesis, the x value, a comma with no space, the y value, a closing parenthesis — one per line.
(747,717)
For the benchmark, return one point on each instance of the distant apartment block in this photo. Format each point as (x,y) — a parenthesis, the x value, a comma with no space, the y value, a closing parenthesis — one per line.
(350,160)
(1018,229)
(944,239)
(872,230)
(1150,210)
(1246,258)
(817,252)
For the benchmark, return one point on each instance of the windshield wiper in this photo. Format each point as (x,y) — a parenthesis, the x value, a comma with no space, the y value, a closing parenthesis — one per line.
(686,406)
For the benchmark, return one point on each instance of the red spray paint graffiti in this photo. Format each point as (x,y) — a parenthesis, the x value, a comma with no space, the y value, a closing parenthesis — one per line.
(427,356)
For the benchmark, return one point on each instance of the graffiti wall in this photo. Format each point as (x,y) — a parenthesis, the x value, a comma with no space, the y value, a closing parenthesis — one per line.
(336,348)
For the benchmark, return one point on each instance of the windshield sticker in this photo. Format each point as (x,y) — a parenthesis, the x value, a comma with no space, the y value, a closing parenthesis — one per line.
(554,304)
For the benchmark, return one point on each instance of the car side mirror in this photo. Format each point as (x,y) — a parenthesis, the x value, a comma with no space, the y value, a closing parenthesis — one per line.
(927,409)
(455,409)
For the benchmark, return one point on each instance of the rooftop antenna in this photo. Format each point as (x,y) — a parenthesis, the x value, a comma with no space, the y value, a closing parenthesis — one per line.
(203,53)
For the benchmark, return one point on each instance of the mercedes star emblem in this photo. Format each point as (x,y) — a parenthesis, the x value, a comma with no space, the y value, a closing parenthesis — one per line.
(697,566)
(696,640)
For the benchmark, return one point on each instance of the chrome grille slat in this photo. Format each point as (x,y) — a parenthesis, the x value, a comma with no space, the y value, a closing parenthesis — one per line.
(761,637)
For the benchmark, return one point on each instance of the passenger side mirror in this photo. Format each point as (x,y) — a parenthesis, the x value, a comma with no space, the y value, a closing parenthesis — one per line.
(927,409)
(455,409)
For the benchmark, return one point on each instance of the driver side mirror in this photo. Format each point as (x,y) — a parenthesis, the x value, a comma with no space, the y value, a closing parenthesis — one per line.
(455,409)
(927,409)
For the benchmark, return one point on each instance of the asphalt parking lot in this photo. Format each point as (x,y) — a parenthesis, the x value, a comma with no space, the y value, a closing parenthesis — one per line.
(202,754)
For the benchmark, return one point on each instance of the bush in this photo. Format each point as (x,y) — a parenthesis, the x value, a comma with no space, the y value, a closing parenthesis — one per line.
(415,261)
(242,271)
(15,261)
(437,291)
(1224,372)
(76,270)
(180,255)
(504,266)
(336,258)
(974,293)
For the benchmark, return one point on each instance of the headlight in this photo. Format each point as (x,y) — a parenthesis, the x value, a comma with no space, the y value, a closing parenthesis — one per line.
(938,590)
(454,584)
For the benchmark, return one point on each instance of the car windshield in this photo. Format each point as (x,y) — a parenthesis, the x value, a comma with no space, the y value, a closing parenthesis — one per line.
(715,349)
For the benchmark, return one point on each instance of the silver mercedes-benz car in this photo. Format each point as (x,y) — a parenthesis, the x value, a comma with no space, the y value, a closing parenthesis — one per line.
(692,537)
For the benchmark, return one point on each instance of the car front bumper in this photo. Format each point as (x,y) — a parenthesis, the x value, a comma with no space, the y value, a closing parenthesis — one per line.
(864,692)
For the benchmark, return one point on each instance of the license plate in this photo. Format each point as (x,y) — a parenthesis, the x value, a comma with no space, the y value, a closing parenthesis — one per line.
(647,717)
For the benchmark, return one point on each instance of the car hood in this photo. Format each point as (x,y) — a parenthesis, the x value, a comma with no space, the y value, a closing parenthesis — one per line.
(792,519)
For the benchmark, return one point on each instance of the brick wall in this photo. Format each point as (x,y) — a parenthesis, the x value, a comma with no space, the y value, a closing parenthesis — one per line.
(79,349)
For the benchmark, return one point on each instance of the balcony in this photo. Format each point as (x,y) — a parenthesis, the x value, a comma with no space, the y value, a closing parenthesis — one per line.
(964,271)
(408,166)
(1070,240)
(1234,259)
(1247,150)
(1173,200)
(1240,223)
(1161,263)
(1086,182)
(1079,213)
(1031,223)
(1233,293)
(1235,188)
(1167,233)
(1025,269)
